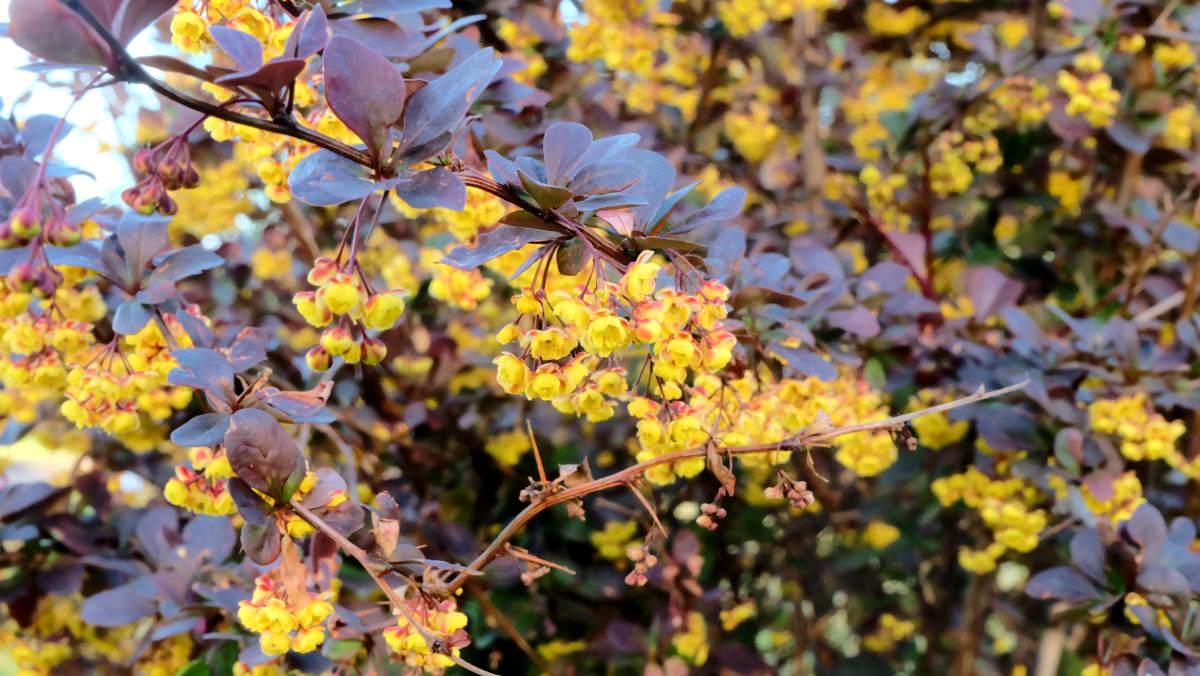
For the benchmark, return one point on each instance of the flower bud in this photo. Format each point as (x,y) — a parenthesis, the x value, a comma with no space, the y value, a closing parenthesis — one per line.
(373,351)
(191,178)
(318,359)
(26,222)
(338,341)
(62,232)
(167,206)
(323,270)
(143,160)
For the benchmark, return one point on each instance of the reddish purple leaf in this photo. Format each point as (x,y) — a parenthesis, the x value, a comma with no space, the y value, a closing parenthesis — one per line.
(50,30)
(363,88)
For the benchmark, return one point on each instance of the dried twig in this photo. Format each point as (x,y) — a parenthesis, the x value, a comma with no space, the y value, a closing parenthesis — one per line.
(804,439)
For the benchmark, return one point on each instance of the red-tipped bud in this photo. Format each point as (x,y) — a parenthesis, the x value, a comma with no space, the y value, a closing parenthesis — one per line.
(323,270)
(130,195)
(373,351)
(191,178)
(26,222)
(318,359)
(167,206)
(143,160)
(23,275)
(64,233)
(48,279)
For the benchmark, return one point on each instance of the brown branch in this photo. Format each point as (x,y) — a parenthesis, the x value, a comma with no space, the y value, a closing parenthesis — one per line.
(126,68)
(376,572)
(805,438)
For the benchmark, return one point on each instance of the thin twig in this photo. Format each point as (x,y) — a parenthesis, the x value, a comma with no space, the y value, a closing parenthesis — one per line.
(803,439)
(397,602)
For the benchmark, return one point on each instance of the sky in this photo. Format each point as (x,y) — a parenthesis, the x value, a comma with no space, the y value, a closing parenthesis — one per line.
(24,96)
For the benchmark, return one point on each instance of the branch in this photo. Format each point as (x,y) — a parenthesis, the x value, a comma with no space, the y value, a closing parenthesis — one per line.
(397,602)
(127,68)
(807,437)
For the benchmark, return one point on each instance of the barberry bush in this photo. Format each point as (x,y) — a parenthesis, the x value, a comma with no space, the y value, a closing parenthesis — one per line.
(603,336)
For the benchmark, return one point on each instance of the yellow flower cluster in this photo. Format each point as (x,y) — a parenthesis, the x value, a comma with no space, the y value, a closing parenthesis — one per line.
(523,40)
(569,333)
(615,539)
(743,17)
(936,430)
(508,447)
(191,23)
(884,19)
(760,409)
(1005,507)
(891,630)
(483,210)
(752,131)
(652,62)
(201,488)
(1018,101)
(212,207)
(347,296)
(1144,433)
(1092,97)
(109,385)
(463,289)
(1175,54)
(443,620)
(957,159)
(692,643)
(284,623)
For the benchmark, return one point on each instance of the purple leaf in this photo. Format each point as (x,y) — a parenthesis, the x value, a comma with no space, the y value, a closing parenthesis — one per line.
(203,430)
(881,278)
(991,291)
(262,453)
(302,406)
(50,30)
(134,15)
(386,37)
(202,369)
(310,34)
(724,207)
(1087,554)
(605,177)
(433,188)
(131,317)
(363,88)
(188,261)
(36,134)
(547,196)
(492,244)
(1062,583)
(141,238)
(244,48)
(439,106)
(120,605)
(19,497)
(563,147)
(83,255)
(10,257)
(857,320)
(324,179)
(1148,529)
(805,362)
(658,177)
(248,348)
(158,533)
(212,535)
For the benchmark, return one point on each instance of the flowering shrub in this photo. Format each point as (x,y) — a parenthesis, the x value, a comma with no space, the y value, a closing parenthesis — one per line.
(742,336)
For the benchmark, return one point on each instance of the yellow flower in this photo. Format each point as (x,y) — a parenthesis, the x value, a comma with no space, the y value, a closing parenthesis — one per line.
(605,334)
(274,643)
(638,281)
